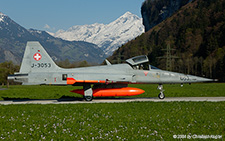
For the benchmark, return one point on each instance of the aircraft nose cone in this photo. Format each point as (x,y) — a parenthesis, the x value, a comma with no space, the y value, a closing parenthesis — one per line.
(199,79)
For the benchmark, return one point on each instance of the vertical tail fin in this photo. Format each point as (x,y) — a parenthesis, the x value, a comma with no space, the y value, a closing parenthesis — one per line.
(36,59)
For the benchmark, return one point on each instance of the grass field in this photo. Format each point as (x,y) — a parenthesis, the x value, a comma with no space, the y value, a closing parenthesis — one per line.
(114,121)
(118,121)
(56,92)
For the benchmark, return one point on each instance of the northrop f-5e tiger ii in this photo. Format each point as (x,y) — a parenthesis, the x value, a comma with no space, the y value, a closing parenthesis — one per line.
(38,68)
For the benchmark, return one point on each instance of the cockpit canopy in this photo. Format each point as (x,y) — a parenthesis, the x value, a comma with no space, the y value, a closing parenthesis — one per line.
(137,60)
(140,63)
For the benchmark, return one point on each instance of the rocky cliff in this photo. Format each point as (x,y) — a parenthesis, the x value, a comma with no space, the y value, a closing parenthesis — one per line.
(155,11)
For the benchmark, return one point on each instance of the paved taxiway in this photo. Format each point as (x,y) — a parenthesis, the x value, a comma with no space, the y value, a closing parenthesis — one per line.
(112,100)
(2,89)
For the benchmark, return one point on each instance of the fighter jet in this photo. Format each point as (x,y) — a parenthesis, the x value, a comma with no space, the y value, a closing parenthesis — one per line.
(38,68)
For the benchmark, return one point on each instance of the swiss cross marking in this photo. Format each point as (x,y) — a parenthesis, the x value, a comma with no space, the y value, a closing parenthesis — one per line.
(37,56)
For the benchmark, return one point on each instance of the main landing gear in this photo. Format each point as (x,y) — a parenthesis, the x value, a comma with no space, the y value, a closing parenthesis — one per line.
(88,98)
(88,92)
(161,94)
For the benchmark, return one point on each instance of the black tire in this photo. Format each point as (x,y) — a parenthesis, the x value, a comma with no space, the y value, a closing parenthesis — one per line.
(161,95)
(88,98)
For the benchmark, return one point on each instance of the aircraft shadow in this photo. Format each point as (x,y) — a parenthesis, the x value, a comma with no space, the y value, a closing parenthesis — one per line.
(69,98)
(61,99)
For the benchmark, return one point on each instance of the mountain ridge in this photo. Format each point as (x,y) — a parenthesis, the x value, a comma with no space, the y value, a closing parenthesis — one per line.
(107,36)
(13,38)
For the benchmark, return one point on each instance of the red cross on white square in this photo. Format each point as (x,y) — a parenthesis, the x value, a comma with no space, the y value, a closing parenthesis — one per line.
(37,56)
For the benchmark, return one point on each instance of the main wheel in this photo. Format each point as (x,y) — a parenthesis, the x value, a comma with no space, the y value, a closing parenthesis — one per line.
(161,95)
(88,98)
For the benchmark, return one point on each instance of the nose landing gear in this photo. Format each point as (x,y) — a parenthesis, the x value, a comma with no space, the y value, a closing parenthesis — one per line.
(161,94)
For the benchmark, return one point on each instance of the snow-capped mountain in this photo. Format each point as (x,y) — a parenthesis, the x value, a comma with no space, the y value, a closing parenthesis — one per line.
(13,39)
(2,17)
(107,36)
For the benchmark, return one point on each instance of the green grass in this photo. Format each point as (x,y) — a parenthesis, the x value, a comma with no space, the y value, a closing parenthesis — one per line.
(193,90)
(118,121)
(56,92)
(38,92)
(115,121)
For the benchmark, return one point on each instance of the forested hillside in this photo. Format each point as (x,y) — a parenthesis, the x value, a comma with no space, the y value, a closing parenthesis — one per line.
(196,35)
(7,68)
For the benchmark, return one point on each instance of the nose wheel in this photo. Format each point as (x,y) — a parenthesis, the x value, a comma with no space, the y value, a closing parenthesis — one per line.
(161,94)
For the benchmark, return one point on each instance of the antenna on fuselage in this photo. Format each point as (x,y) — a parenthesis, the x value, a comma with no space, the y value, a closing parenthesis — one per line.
(107,62)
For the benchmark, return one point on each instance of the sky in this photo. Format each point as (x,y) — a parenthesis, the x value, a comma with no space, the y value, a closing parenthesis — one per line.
(52,15)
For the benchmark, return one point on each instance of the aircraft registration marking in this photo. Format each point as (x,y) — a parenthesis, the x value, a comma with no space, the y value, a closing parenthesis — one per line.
(41,65)
(184,78)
